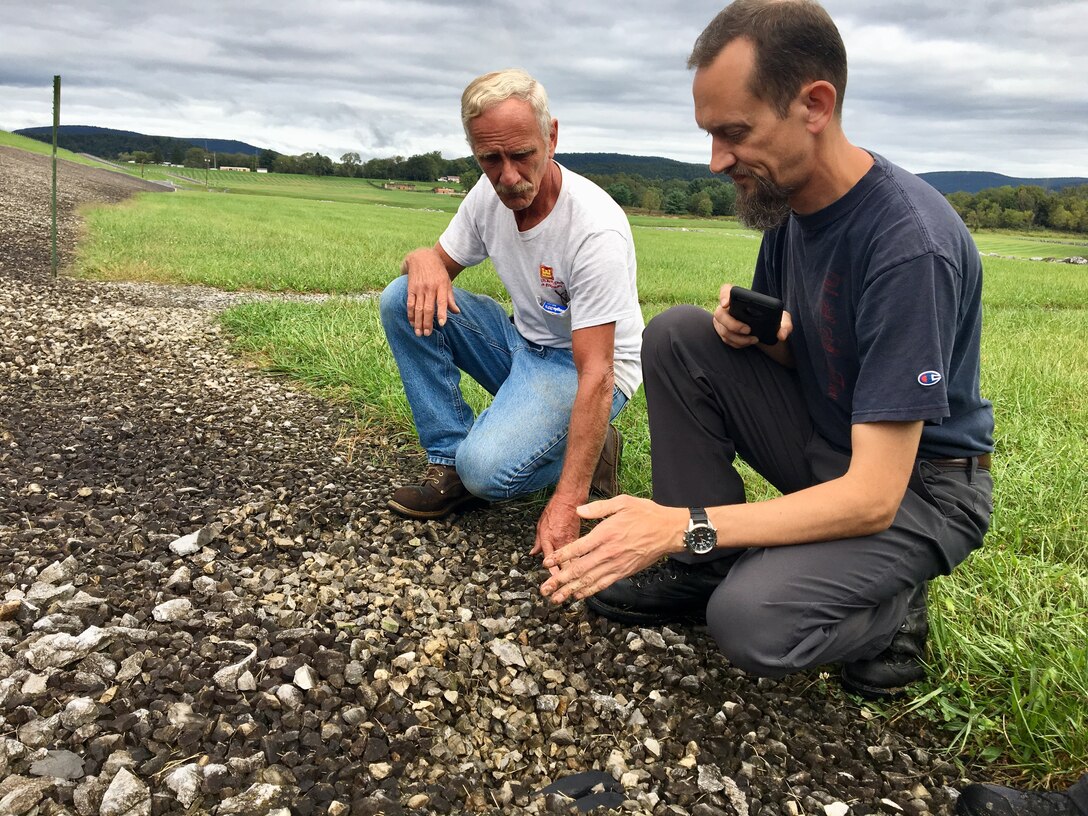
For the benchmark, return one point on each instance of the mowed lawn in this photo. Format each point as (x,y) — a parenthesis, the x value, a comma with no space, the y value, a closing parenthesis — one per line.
(1010,630)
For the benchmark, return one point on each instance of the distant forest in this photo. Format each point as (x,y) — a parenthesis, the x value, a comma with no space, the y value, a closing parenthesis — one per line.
(1024,208)
(651,184)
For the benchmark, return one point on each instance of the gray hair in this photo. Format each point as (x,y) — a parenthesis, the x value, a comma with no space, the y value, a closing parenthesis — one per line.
(490,89)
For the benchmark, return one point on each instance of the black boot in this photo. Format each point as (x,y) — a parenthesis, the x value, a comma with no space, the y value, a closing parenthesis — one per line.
(885,675)
(667,592)
(995,800)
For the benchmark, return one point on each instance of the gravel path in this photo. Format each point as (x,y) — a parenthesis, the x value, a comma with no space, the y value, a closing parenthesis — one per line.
(207,608)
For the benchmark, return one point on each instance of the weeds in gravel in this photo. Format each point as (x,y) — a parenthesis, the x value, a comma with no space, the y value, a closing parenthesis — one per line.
(1010,638)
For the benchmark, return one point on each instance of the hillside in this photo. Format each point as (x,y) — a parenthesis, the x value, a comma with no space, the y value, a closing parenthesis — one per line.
(29,145)
(650,167)
(108,142)
(653,167)
(964,181)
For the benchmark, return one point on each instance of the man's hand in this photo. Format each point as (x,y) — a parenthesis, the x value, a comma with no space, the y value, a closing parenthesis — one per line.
(736,334)
(633,535)
(557,527)
(430,288)
(592,349)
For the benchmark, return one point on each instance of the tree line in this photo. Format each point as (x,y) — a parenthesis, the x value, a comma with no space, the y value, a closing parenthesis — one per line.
(195,157)
(1020,208)
(703,197)
(422,167)
(1024,208)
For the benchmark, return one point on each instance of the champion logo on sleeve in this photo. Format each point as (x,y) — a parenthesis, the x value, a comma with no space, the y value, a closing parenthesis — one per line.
(928,378)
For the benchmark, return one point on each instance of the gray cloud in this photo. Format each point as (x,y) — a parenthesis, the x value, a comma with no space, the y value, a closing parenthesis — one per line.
(980,84)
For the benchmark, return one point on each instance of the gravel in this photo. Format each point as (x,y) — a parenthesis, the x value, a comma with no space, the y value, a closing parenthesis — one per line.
(205,607)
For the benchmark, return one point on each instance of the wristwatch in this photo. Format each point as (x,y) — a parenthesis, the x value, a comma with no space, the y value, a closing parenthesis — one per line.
(700,537)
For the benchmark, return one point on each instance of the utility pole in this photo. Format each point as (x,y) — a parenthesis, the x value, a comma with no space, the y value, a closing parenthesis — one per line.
(56,126)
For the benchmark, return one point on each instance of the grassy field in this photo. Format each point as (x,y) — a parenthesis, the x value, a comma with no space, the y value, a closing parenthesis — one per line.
(313,188)
(1010,637)
(1030,246)
(246,242)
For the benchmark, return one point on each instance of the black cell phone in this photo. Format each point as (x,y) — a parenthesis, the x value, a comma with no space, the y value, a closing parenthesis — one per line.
(762,313)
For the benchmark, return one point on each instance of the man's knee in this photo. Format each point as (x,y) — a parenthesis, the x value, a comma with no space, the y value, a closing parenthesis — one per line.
(394,299)
(754,636)
(494,471)
(677,324)
(481,470)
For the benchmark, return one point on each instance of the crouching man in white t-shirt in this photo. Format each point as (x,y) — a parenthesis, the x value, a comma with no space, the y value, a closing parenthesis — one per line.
(567,361)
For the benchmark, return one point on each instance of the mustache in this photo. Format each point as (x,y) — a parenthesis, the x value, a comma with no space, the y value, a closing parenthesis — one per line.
(739,170)
(514,189)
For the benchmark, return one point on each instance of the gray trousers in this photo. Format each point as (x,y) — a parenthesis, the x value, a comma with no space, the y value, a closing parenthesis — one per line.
(783,609)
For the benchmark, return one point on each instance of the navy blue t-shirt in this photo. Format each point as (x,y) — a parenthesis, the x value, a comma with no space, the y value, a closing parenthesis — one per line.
(885,288)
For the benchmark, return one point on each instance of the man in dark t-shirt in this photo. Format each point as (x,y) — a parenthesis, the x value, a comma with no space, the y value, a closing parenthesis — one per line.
(865,413)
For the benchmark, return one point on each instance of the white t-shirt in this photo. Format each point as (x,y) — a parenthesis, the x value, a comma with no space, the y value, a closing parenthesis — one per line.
(573,270)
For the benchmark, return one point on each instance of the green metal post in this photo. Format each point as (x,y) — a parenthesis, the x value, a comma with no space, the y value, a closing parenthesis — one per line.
(56,125)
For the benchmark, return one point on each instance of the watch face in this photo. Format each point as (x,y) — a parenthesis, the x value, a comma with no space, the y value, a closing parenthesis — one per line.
(701,539)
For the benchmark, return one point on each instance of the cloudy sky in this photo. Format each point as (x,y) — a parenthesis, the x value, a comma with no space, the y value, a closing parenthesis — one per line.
(934,85)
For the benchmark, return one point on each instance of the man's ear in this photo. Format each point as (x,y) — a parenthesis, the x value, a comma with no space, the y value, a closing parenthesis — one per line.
(819,99)
(554,140)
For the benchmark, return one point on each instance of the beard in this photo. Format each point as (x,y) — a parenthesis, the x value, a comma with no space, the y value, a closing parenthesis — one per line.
(765,207)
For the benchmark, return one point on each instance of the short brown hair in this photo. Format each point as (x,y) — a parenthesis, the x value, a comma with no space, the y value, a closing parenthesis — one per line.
(796,41)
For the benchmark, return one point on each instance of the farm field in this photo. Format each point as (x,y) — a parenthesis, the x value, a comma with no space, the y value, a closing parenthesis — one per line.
(1025,246)
(1010,637)
(318,188)
(369,191)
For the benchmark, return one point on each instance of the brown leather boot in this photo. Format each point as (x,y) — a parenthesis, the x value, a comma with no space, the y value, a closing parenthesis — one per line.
(606,478)
(439,494)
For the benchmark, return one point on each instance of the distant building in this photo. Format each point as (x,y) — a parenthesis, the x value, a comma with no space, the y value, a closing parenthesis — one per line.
(236,169)
(445,191)
(450,179)
(391,186)
(262,169)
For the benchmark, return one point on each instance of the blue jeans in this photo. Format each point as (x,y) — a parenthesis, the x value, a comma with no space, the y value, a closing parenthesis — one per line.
(517,444)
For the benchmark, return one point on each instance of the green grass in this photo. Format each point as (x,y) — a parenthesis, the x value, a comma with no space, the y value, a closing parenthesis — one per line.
(1033,245)
(1009,630)
(687,223)
(242,242)
(690,267)
(314,188)
(1011,636)
(352,191)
